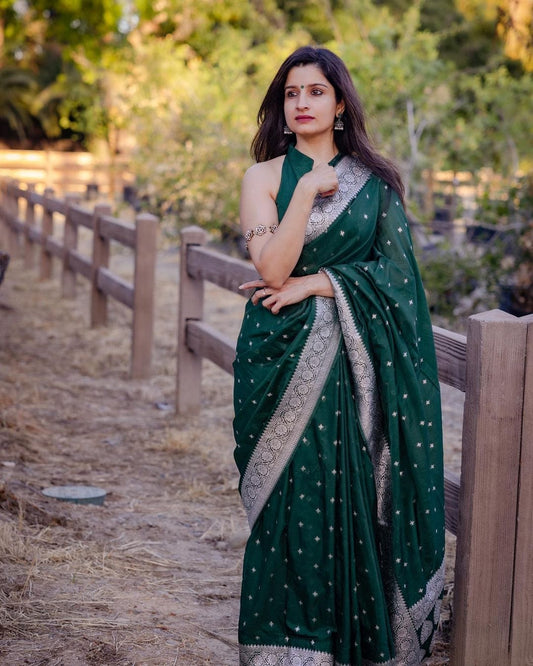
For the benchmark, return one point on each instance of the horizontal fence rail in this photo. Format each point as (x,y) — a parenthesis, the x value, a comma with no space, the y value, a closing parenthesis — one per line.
(25,234)
(65,171)
(489,507)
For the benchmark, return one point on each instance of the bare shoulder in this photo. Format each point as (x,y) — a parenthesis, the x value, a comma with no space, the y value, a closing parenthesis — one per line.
(265,175)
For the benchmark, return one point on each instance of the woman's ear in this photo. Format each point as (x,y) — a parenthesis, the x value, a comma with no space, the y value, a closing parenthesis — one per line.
(340,109)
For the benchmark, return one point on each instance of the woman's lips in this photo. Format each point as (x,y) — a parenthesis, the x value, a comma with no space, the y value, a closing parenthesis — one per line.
(304,119)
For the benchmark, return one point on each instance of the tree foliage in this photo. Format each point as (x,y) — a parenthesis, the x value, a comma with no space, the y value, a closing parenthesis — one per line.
(446,83)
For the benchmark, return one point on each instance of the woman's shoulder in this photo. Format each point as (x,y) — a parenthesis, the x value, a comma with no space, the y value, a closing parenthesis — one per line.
(267,168)
(267,174)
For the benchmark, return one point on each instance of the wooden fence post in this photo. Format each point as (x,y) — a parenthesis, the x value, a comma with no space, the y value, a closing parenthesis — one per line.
(191,305)
(13,211)
(143,295)
(484,566)
(29,218)
(70,242)
(522,619)
(47,229)
(3,210)
(100,260)
(4,223)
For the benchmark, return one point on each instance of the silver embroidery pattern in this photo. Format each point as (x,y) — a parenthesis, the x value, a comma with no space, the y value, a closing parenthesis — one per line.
(406,643)
(369,409)
(352,176)
(280,437)
(275,655)
(404,622)
(421,610)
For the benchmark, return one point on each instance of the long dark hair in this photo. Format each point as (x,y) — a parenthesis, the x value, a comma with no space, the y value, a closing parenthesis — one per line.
(270,141)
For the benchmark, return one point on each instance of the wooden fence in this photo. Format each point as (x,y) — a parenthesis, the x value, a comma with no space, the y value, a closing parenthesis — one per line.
(489,509)
(23,234)
(65,171)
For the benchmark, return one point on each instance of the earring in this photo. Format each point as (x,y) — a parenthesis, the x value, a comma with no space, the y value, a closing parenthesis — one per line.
(286,130)
(339,124)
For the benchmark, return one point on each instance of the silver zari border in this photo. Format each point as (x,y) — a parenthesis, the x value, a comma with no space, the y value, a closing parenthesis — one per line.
(352,176)
(368,406)
(405,622)
(276,655)
(289,420)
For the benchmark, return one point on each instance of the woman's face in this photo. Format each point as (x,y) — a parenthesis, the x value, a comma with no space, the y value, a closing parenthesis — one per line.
(310,105)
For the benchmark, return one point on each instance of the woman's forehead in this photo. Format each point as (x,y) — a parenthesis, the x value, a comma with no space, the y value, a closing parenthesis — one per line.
(305,75)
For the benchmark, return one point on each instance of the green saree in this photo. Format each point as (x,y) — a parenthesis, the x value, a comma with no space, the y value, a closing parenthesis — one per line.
(339,445)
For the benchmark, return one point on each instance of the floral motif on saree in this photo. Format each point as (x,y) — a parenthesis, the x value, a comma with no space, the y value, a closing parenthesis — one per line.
(339,445)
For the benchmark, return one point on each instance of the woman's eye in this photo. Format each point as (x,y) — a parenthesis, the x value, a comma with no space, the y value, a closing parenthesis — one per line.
(291,93)
(317,91)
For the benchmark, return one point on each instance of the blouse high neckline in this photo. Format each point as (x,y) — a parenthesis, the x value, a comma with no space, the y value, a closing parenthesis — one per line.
(302,163)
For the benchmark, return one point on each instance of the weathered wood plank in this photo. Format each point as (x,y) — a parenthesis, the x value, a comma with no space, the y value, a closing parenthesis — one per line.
(12,205)
(35,198)
(70,242)
(81,216)
(451,357)
(522,620)
(47,229)
(17,225)
(227,272)
(452,483)
(18,191)
(54,247)
(35,235)
(207,342)
(101,251)
(489,480)
(66,171)
(114,229)
(113,286)
(52,204)
(191,306)
(29,218)
(80,264)
(56,205)
(143,295)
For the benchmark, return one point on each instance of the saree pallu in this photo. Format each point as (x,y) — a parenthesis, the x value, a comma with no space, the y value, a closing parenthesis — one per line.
(339,445)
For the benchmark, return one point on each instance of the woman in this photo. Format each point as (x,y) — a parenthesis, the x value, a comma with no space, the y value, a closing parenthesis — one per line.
(337,407)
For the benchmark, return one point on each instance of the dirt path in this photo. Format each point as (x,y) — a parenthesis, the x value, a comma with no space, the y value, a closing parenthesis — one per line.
(151,577)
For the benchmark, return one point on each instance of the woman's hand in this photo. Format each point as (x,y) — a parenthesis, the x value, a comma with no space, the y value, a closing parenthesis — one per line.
(294,290)
(323,179)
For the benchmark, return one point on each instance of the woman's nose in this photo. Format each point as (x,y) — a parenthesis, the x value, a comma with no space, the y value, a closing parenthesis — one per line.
(302,101)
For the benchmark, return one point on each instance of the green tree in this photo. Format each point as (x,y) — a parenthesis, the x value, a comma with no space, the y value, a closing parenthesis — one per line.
(17,87)
(193,119)
(403,84)
(44,39)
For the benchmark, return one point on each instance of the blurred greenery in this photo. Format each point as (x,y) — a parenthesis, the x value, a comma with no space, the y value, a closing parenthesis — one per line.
(175,86)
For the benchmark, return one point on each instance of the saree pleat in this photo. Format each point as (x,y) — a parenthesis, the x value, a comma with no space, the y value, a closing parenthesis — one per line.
(339,446)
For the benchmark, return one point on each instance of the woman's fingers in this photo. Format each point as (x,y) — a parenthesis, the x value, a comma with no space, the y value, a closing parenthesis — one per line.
(326,179)
(253,284)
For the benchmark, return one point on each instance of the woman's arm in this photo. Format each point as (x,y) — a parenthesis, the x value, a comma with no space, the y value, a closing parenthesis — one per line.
(275,255)
(293,290)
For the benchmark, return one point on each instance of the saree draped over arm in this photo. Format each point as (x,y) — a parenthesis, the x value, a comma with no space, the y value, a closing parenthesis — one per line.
(339,445)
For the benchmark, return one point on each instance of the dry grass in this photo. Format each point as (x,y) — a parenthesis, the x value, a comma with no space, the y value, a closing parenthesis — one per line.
(153,576)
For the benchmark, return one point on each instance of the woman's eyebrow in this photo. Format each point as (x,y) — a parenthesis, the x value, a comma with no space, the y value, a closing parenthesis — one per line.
(309,85)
